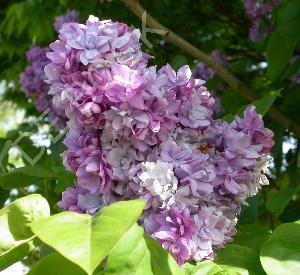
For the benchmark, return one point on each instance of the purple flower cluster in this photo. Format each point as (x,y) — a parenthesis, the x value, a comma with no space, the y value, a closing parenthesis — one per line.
(202,71)
(33,83)
(70,16)
(257,11)
(32,80)
(136,132)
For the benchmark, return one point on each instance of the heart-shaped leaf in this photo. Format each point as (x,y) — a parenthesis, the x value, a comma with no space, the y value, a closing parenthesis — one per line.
(279,201)
(15,227)
(87,240)
(162,263)
(130,255)
(280,254)
(55,264)
(138,254)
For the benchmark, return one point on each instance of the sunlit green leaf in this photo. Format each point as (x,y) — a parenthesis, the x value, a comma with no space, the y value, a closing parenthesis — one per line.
(55,264)
(130,255)
(162,263)
(15,227)
(138,254)
(87,240)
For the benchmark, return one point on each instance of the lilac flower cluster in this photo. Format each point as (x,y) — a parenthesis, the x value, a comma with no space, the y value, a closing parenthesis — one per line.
(202,71)
(258,10)
(32,80)
(70,16)
(136,132)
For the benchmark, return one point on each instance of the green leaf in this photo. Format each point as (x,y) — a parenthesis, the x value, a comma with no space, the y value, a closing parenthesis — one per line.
(4,195)
(30,153)
(228,118)
(240,66)
(64,179)
(17,253)
(205,268)
(279,201)
(252,236)
(178,61)
(211,268)
(55,264)
(249,212)
(264,104)
(15,227)
(87,240)
(240,259)
(283,41)
(291,212)
(292,69)
(289,21)
(231,101)
(4,148)
(292,102)
(24,176)
(279,52)
(45,250)
(280,254)
(187,267)
(137,253)
(162,262)
(130,255)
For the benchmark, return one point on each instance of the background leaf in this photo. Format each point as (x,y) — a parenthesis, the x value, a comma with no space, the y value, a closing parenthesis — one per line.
(15,227)
(251,235)
(279,201)
(37,174)
(240,259)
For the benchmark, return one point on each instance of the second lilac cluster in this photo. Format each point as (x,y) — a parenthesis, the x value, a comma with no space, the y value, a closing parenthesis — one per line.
(32,80)
(259,10)
(136,132)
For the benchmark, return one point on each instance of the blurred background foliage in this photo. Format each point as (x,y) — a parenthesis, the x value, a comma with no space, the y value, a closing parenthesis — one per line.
(265,65)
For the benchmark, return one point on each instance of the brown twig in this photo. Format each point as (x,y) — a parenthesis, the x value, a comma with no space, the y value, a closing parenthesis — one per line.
(231,80)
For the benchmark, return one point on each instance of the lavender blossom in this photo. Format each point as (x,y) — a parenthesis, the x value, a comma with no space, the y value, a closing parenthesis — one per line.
(138,132)
(175,233)
(33,83)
